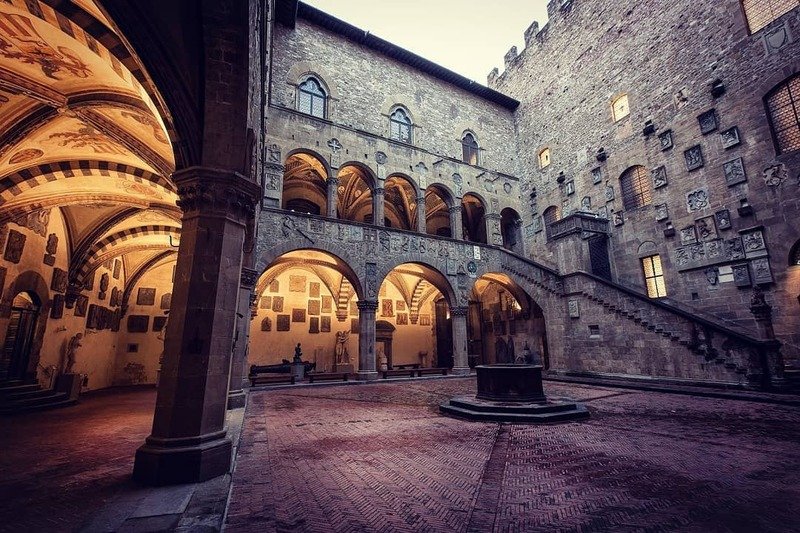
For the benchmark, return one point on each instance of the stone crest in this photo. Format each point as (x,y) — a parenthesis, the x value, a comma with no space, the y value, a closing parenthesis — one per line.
(775,175)
(697,200)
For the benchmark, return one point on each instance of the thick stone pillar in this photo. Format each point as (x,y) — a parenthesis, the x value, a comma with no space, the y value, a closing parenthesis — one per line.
(770,356)
(332,196)
(494,234)
(458,315)
(241,340)
(456,229)
(188,442)
(378,208)
(366,339)
(421,222)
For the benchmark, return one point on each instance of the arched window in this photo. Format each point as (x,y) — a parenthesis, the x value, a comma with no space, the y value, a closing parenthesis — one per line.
(551,214)
(400,125)
(544,158)
(761,13)
(783,106)
(312,98)
(469,149)
(637,189)
(619,108)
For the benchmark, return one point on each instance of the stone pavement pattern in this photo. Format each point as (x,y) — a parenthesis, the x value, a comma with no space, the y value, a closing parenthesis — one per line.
(380,458)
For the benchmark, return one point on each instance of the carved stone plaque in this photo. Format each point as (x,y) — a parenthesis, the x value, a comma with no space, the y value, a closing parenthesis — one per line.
(708,121)
(146,296)
(14,246)
(730,137)
(665,140)
(697,200)
(723,218)
(138,323)
(693,157)
(282,323)
(659,177)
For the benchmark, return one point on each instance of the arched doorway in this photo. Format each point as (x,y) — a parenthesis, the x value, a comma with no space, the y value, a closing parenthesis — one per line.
(473,211)
(510,227)
(504,324)
(354,197)
(19,336)
(437,211)
(304,185)
(400,204)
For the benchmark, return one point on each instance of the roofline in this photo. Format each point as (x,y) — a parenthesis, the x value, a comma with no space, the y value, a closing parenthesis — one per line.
(288,11)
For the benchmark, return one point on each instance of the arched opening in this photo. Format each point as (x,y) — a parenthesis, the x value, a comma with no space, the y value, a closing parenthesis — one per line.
(19,336)
(637,187)
(437,211)
(551,214)
(400,207)
(414,299)
(469,148)
(354,196)
(306,296)
(473,222)
(504,325)
(304,185)
(511,229)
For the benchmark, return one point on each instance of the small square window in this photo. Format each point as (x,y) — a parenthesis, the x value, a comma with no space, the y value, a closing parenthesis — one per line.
(544,158)
(594,331)
(620,108)
(133,348)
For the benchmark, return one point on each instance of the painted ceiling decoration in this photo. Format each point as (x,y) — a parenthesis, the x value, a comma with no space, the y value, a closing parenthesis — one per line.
(83,131)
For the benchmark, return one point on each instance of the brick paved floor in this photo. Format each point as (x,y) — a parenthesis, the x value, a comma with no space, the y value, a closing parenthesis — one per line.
(380,458)
(57,468)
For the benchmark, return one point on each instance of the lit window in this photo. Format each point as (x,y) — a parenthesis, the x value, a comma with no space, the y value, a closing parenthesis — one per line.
(783,104)
(654,276)
(637,188)
(544,158)
(311,98)
(469,148)
(760,13)
(551,214)
(620,108)
(400,126)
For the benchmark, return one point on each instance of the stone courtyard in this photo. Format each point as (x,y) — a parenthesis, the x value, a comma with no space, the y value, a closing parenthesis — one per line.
(379,457)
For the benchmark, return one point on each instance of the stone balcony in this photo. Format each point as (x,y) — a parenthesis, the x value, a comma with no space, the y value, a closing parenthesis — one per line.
(584,223)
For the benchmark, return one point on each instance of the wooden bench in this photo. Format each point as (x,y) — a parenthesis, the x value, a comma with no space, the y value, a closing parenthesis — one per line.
(328,376)
(406,366)
(429,371)
(271,379)
(405,372)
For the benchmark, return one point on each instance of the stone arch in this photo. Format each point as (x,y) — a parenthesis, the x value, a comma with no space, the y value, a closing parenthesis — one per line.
(473,212)
(299,71)
(511,229)
(794,254)
(400,201)
(647,248)
(268,257)
(312,153)
(33,283)
(393,101)
(430,272)
(352,202)
(305,187)
(438,201)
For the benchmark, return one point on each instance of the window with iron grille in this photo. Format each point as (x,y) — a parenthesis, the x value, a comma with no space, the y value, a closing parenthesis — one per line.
(470,149)
(637,188)
(783,105)
(761,13)
(654,276)
(551,214)
(400,125)
(311,98)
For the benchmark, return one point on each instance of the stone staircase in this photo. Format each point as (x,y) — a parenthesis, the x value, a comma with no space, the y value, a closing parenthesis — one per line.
(21,397)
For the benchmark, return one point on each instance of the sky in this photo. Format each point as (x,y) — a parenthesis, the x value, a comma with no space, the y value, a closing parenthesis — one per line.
(469,37)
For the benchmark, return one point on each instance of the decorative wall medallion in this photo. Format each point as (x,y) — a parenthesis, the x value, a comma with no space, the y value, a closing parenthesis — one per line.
(730,137)
(381,158)
(57,308)
(706,229)
(569,187)
(50,250)
(619,219)
(688,235)
(166,300)
(754,245)
(602,212)
(609,193)
(712,275)
(697,200)
(146,296)
(327,304)
(761,270)
(313,289)
(507,187)
(574,310)
(662,212)
(277,304)
(715,250)
(723,219)
(659,176)
(734,249)
(741,275)
(81,305)
(458,180)
(734,172)
(313,307)
(297,284)
(282,323)
(694,157)
(775,175)
(597,175)
(776,38)
(298,315)
(117,268)
(37,221)
(274,152)
(586,203)
(14,246)
(665,140)
(681,257)
(708,122)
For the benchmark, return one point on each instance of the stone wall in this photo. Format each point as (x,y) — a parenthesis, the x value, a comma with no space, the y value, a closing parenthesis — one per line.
(665,57)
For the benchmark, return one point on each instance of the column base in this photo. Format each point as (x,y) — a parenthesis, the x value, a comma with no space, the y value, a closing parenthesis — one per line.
(236,399)
(460,371)
(177,461)
(367,376)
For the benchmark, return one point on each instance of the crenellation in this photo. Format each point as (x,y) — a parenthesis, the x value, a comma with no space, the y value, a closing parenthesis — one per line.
(510,56)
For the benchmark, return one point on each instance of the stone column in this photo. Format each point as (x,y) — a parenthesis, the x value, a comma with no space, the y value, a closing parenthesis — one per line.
(377,206)
(421,222)
(332,195)
(456,230)
(241,341)
(458,316)
(188,442)
(366,339)
(491,223)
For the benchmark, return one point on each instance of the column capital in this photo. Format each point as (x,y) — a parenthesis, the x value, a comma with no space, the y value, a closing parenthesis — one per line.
(205,189)
(492,216)
(367,305)
(459,311)
(379,191)
(332,181)
(454,208)
(248,278)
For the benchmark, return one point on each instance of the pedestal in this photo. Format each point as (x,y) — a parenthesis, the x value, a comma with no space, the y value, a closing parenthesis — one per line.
(298,371)
(70,384)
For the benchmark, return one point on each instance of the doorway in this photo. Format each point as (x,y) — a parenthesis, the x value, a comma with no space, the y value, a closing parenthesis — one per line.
(384,331)
(444,335)
(16,351)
